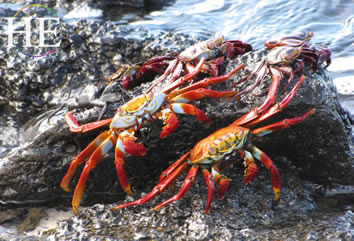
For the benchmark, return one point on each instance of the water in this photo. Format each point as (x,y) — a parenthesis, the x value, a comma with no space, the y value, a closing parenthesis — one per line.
(254,22)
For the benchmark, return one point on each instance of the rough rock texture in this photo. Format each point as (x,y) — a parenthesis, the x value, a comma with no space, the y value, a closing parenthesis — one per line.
(310,156)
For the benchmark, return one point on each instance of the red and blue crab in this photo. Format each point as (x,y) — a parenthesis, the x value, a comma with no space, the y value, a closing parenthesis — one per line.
(133,115)
(283,52)
(219,149)
(212,51)
(133,75)
(313,53)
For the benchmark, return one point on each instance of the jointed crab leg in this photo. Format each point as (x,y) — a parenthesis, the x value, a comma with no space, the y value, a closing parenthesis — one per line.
(265,160)
(279,106)
(160,186)
(75,127)
(280,125)
(95,158)
(210,183)
(79,159)
(173,167)
(188,181)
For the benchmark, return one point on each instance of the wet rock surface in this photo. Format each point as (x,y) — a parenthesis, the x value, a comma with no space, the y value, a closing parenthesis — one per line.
(314,158)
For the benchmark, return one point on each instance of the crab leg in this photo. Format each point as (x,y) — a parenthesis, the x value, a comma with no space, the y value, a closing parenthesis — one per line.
(253,114)
(75,127)
(160,187)
(210,183)
(169,70)
(188,181)
(202,93)
(205,82)
(265,160)
(79,159)
(182,80)
(95,158)
(279,106)
(174,165)
(280,125)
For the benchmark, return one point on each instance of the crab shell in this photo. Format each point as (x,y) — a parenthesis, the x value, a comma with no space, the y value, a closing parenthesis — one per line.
(223,143)
(208,49)
(137,110)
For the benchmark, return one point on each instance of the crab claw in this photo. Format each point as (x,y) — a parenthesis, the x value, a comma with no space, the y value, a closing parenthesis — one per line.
(132,147)
(222,181)
(170,123)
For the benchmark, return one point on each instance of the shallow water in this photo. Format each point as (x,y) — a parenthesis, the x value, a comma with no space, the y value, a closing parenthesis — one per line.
(332,22)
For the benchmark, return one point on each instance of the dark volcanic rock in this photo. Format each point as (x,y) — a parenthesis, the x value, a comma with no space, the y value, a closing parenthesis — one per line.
(310,156)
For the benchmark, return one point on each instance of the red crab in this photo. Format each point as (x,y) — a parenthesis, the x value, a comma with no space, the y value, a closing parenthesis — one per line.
(211,50)
(219,148)
(133,115)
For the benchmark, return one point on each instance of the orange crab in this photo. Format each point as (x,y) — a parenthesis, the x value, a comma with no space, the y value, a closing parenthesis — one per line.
(133,115)
(219,149)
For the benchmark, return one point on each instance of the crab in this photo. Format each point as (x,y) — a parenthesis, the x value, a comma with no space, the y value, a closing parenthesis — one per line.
(212,51)
(133,115)
(132,75)
(313,53)
(218,150)
(286,50)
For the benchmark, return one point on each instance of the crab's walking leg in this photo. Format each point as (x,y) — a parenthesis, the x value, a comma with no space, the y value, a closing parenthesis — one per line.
(210,183)
(157,189)
(286,123)
(188,181)
(253,114)
(265,160)
(202,93)
(171,86)
(75,127)
(204,83)
(79,159)
(279,106)
(95,158)
(173,167)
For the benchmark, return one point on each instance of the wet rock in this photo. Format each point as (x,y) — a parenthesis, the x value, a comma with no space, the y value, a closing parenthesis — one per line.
(315,152)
